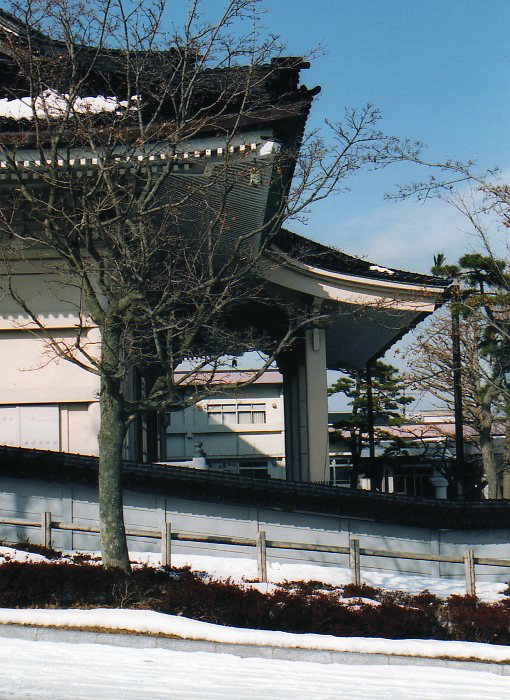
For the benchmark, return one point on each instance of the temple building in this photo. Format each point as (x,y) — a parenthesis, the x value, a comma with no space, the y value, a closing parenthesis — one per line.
(361,308)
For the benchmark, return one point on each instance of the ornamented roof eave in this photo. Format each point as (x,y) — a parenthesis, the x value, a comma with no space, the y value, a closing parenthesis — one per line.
(330,263)
(181,158)
(354,289)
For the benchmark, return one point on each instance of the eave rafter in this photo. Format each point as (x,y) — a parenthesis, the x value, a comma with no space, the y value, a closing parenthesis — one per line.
(155,158)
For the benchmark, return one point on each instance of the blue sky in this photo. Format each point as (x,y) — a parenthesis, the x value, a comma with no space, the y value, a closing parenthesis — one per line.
(439,71)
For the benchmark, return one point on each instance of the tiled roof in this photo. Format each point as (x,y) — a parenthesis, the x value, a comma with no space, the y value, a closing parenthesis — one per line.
(428,432)
(436,431)
(270,86)
(227,377)
(19,463)
(310,252)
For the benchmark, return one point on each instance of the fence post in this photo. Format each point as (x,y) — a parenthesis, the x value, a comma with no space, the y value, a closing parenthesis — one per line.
(354,561)
(469,570)
(261,557)
(46,529)
(166,544)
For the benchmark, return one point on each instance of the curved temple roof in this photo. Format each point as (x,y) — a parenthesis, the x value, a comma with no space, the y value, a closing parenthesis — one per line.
(365,307)
(312,253)
(373,306)
(220,93)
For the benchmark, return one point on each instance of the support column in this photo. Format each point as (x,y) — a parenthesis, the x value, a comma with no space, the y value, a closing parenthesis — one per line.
(506,483)
(306,409)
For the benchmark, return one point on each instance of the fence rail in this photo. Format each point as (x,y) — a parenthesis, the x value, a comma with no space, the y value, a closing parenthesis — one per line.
(354,550)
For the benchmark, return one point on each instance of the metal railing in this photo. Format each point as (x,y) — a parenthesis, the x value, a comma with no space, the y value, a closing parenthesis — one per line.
(262,544)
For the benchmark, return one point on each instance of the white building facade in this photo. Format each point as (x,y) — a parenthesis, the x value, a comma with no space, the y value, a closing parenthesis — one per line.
(241,433)
(45,402)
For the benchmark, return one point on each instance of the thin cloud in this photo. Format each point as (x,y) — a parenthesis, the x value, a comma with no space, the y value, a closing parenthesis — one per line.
(407,235)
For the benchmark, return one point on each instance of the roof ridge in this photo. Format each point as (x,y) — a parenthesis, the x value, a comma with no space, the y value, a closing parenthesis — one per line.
(334,260)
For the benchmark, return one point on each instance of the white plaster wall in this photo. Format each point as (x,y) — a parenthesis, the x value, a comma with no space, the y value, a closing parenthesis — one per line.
(59,427)
(46,291)
(30,426)
(45,401)
(80,427)
(30,372)
(272,444)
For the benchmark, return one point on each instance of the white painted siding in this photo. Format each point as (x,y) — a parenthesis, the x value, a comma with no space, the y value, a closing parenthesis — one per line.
(30,426)
(245,429)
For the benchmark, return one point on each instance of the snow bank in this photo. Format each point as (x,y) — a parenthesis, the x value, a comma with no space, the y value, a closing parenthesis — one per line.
(241,569)
(149,622)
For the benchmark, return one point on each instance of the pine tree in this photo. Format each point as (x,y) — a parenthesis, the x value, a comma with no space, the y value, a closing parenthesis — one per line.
(389,400)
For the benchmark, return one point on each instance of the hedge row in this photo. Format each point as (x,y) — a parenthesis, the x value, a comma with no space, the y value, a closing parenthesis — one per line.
(297,607)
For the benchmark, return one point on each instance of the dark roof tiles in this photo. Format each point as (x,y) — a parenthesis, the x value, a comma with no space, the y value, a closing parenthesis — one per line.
(312,253)
(227,90)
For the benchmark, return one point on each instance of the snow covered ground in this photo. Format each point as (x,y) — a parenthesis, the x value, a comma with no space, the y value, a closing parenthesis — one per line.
(60,671)
(155,623)
(239,569)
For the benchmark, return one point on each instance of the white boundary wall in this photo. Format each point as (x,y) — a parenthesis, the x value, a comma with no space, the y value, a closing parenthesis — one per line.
(28,498)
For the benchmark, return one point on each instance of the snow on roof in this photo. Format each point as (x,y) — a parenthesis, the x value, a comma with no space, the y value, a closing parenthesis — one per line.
(51,104)
(313,253)
(378,268)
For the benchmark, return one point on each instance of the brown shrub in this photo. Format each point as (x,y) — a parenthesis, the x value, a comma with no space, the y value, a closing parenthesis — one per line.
(466,617)
(304,607)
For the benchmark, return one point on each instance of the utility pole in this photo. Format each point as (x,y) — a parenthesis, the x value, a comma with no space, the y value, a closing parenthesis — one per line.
(457,394)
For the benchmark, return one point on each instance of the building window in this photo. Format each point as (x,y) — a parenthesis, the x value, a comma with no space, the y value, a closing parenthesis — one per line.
(256,469)
(236,414)
(340,476)
(413,481)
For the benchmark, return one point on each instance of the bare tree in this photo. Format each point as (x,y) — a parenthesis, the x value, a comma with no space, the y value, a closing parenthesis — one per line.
(431,358)
(110,195)
(483,198)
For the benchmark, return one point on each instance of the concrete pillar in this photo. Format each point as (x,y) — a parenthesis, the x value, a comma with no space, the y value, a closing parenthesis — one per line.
(506,483)
(306,408)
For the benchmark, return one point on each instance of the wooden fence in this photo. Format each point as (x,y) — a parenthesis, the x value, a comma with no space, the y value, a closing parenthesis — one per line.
(355,552)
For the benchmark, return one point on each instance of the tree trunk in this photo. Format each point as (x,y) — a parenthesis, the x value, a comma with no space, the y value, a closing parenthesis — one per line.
(114,549)
(111,437)
(355,458)
(506,454)
(487,446)
(489,463)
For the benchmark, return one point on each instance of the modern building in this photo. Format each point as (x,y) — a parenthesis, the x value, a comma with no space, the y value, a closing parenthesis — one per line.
(416,458)
(241,433)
